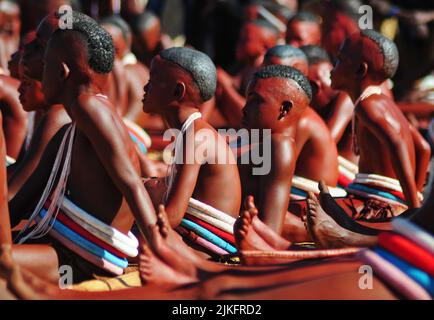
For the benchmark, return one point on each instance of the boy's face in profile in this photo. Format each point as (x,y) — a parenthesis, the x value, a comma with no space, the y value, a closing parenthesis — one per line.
(253,42)
(347,64)
(319,78)
(160,88)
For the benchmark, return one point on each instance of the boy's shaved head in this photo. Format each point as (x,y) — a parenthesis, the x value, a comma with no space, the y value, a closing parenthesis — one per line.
(286,72)
(387,48)
(315,54)
(98,42)
(198,65)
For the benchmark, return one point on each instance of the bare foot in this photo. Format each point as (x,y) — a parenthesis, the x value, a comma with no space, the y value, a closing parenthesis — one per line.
(245,234)
(327,233)
(330,206)
(271,237)
(153,270)
(162,244)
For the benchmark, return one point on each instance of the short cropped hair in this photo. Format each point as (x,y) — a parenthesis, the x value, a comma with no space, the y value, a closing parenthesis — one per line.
(99,43)
(315,54)
(198,65)
(286,72)
(387,48)
(285,51)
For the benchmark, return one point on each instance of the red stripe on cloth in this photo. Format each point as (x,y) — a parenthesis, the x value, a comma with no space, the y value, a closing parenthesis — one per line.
(222,234)
(68,222)
(407,250)
(343,180)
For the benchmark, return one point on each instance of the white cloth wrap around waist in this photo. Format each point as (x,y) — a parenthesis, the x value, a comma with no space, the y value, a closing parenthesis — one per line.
(381,181)
(211,215)
(312,186)
(125,244)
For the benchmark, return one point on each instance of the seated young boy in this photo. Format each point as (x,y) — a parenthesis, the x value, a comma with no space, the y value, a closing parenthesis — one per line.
(316,151)
(89,174)
(181,80)
(383,137)
(277,96)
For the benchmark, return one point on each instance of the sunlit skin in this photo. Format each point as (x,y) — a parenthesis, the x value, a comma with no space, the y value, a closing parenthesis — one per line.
(266,109)
(192,180)
(380,123)
(335,107)
(315,148)
(302,33)
(252,45)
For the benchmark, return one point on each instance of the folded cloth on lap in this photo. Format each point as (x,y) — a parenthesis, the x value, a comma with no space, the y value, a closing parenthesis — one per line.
(210,247)
(127,244)
(421,277)
(190,225)
(211,220)
(213,212)
(393,276)
(222,234)
(86,255)
(407,250)
(85,244)
(414,233)
(300,187)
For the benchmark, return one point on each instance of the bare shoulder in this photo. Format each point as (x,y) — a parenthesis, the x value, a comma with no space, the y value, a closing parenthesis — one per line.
(283,149)
(93,108)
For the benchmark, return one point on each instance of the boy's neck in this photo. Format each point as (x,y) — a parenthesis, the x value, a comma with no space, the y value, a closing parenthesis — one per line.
(178,116)
(73,92)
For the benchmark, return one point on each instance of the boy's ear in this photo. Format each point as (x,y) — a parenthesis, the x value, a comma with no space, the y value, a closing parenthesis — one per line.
(363,70)
(65,71)
(284,109)
(180,90)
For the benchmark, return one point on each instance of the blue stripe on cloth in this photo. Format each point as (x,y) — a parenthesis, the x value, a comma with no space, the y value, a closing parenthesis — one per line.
(141,146)
(207,235)
(85,244)
(298,192)
(384,194)
(419,276)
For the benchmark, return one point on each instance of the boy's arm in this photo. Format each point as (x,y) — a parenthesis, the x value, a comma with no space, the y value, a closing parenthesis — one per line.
(342,114)
(372,114)
(276,188)
(105,134)
(423,156)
